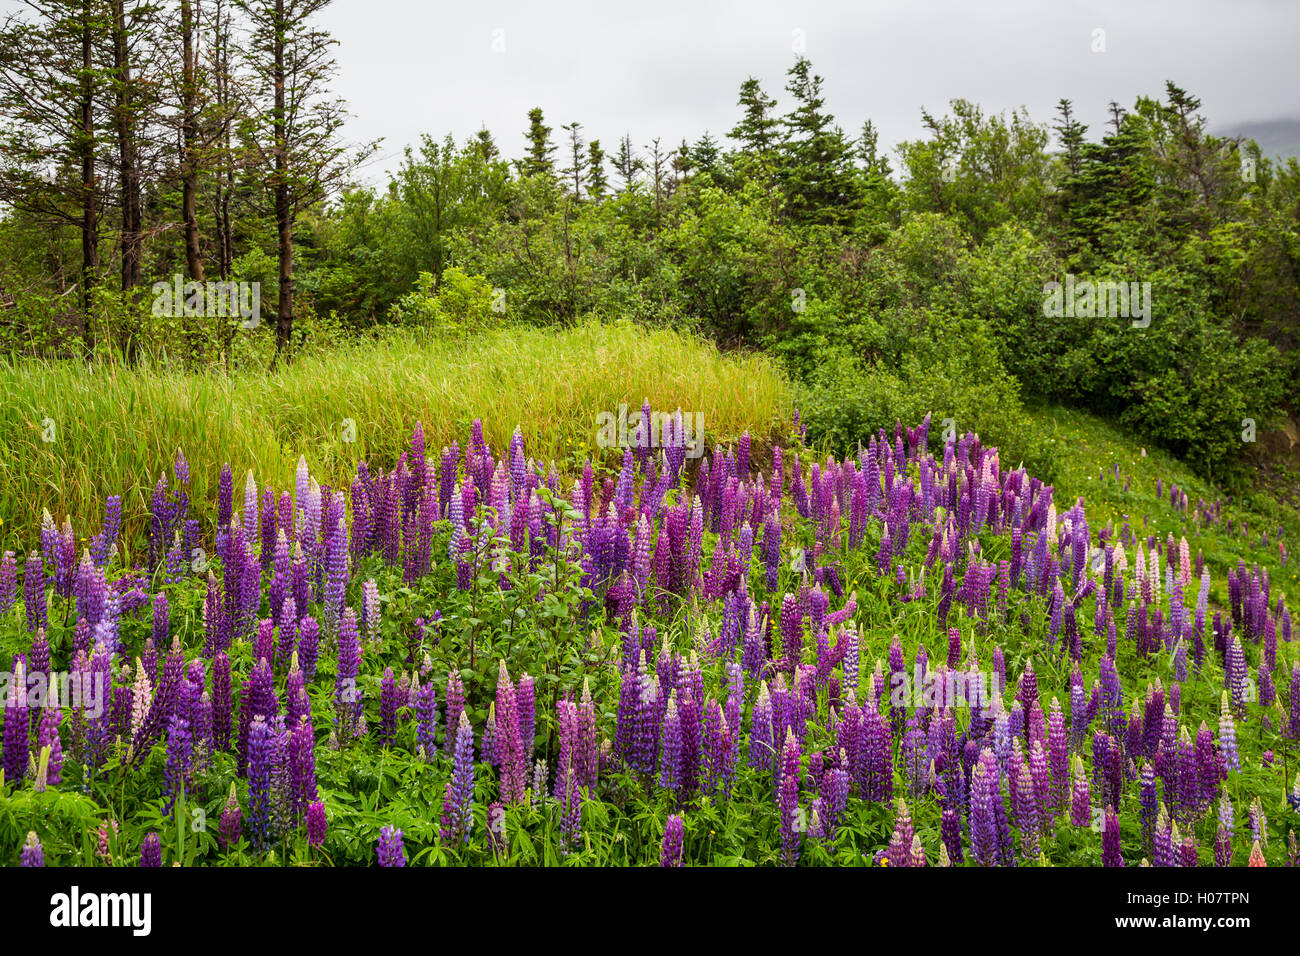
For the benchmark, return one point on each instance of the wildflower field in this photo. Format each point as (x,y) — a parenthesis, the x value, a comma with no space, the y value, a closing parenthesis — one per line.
(918,654)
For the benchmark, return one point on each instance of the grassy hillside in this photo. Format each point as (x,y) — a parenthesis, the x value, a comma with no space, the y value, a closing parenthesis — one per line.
(114,430)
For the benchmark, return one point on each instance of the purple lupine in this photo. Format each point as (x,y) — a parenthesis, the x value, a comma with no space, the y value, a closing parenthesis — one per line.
(34,591)
(425,701)
(788,800)
(1223,833)
(316,824)
(308,646)
(32,854)
(8,581)
(1110,847)
(16,752)
(1235,676)
(512,760)
(151,851)
(178,772)
(390,849)
(1228,736)
(261,755)
(48,736)
(985,801)
(455,707)
(670,854)
(458,798)
(671,752)
(347,694)
(1080,797)
(388,704)
(899,852)
(231,826)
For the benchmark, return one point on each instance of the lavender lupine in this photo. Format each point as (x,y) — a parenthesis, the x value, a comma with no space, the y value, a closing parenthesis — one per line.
(458,798)
(151,851)
(32,854)
(1110,845)
(231,826)
(16,753)
(316,824)
(390,849)
(791,822)
(261,754)
(670,854)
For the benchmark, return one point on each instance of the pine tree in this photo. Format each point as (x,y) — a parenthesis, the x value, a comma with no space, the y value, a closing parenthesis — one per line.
(628,163)
(816,169)
(538,162)
(1071,133)
(757,130)
(577,167)
(597,182)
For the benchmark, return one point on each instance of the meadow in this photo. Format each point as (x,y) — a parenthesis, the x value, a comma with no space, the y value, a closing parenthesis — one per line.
(452,642)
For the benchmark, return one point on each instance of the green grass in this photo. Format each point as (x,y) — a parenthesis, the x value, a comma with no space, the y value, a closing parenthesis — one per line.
(117,429)
(1086,445)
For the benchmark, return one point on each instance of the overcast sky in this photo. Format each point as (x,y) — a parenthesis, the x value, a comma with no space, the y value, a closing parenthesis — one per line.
(672,68)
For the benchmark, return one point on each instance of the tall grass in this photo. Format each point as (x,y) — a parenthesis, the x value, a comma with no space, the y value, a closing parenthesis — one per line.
(117,429)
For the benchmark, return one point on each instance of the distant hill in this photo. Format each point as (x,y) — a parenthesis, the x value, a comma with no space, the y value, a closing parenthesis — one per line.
(1278,139)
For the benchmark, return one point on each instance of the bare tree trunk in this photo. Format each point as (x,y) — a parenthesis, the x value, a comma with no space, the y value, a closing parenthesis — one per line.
(283,207)
(189,163)
(128,154)
(89,206)
(128,162)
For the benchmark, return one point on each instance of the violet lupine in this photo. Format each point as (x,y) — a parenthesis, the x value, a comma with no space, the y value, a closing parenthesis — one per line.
(426,718)
(458,797)
(1235,676)
(32,855)
(48,736)
(178,771)
(316,824)
(347,694)
(985,801)
(8,581)
(1293,714)
(788,800)
(455,708)
(230,828)
(16,753)
(512,759)
(151,851)
(390,849)
(1223,833)
(261,755)
(34,593)
(1110,845)
(388,704)
(670,854)
(1080,797)
(1228,736)
(900,843)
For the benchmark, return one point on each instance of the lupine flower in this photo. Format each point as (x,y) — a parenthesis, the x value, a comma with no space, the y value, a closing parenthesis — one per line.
(261,754)
(674,833)
(151,851)
(789,800)
(458,799)
(391,850)
(316,824)
(32,855)
(1110,849)
(230,828)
